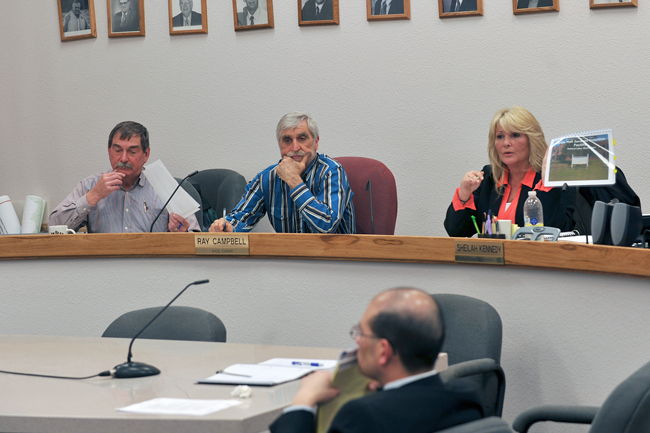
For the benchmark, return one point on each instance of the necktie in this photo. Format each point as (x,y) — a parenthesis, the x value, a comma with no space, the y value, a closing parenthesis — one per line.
(457,6)
(252,20)
(382,10)
(187,21)
(123,18)
(317,11)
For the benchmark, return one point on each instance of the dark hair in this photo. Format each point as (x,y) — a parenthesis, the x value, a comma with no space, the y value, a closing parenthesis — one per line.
(416,339)
(127,130)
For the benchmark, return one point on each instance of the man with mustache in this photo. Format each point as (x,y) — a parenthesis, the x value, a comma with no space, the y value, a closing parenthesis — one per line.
(120,200)
(306,192)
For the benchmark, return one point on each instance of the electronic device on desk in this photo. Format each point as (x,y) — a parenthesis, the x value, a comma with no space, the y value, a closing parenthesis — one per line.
(617,224)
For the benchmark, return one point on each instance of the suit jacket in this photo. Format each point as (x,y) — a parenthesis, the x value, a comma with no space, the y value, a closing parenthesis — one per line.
(466,5)
(523,4)
(423,406)
(195,20)
(309,11)
(396,7)
(459,223)
(132,23)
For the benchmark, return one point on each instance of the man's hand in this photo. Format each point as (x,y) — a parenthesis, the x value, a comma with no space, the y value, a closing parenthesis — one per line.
(177,223)
(469,184)
(220,225)
(106,184)
(315,389)
(290,170)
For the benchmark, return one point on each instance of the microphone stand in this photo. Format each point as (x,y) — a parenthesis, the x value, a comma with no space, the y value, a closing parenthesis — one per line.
(566,187)
(170,198)
(139,369)
(372,219)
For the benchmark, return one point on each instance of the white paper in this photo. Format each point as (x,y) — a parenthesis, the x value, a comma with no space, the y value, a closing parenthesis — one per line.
(33,214)
(9,223)
(179,406)
(258,374)
(164,184)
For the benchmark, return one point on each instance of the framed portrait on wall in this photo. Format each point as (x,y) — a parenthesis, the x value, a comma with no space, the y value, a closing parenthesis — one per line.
(252,14)
(534,6)
(77,19)
(318,12)
(187,17)
(597,4)
(459,8)
(379,10)
(125,18)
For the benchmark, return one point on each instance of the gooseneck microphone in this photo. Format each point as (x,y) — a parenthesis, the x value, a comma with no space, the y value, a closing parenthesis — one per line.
(138,369)
(170,197)
(566,187)
(372,217)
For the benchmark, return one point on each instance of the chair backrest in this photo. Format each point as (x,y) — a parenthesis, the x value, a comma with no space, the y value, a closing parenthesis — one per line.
(176,323)
(219,188)
(187,186)
(473,328)
(384,194)
(473,331)
(627,408)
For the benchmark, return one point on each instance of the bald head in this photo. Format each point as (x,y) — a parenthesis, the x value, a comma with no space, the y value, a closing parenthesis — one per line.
(411,321)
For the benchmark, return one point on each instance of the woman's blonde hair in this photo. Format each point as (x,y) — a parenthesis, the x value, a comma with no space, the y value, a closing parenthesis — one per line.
(516,119)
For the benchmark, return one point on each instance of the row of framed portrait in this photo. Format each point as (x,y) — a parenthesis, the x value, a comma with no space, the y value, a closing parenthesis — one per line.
(126,17)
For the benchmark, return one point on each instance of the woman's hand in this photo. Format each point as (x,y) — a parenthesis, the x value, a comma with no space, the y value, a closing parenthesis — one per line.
(469,184)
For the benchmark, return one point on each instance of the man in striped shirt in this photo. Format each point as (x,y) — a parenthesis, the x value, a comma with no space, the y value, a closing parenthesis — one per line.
(120,200)
(306,192)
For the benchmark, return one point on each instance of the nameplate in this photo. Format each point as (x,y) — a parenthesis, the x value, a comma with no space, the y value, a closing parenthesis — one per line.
(221,244)
(484,252)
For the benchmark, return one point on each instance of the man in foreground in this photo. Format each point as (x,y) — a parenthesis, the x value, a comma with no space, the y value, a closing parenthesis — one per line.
(120,200)
(399,338)
(306,192)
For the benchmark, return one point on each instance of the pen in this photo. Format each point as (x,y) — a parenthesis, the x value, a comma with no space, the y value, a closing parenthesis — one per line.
(307,364)
(179,226)
(233,374)
(224,219)
(475,225)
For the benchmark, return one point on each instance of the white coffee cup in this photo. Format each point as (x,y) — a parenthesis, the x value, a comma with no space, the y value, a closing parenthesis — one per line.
(60,230)
(505,228)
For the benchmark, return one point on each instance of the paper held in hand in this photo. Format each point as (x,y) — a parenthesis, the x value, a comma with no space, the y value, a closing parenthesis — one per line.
(581,159)
(164,184)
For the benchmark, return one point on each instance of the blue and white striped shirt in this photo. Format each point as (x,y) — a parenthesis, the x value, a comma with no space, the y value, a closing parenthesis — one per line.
(321,204)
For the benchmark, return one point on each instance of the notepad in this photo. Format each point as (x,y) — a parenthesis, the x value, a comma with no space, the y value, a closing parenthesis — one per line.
(258,374)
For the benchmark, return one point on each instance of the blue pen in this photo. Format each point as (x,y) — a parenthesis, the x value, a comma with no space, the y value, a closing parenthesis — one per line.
(488,225)
(224,219)
(307,364)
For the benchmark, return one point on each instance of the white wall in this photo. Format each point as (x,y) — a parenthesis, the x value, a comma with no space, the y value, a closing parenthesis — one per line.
(418,95)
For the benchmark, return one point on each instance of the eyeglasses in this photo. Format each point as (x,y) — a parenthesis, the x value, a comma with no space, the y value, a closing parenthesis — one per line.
(355,333)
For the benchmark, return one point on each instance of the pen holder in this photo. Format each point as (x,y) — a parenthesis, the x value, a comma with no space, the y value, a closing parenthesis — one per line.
(493,236)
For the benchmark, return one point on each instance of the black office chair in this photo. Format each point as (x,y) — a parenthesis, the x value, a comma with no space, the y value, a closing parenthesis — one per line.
(626,409)
(177,323)
(187,186)
(486,425)
(219,188)
(473,336)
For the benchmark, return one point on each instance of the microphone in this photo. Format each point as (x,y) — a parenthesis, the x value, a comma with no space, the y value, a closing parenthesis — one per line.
(170,197)
(565,187)
(138,369)
(372,219)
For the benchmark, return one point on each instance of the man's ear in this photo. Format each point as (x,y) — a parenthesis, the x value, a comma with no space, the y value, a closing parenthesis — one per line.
(386,353)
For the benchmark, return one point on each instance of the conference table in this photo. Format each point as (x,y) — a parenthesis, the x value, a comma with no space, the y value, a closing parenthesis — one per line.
(568,309)
(35,404)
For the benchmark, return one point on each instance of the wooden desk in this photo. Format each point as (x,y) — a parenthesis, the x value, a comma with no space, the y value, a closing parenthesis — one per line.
(33,404)
(542,255)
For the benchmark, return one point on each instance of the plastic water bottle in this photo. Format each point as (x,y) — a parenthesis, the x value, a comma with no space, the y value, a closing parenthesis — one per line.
(533,212)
